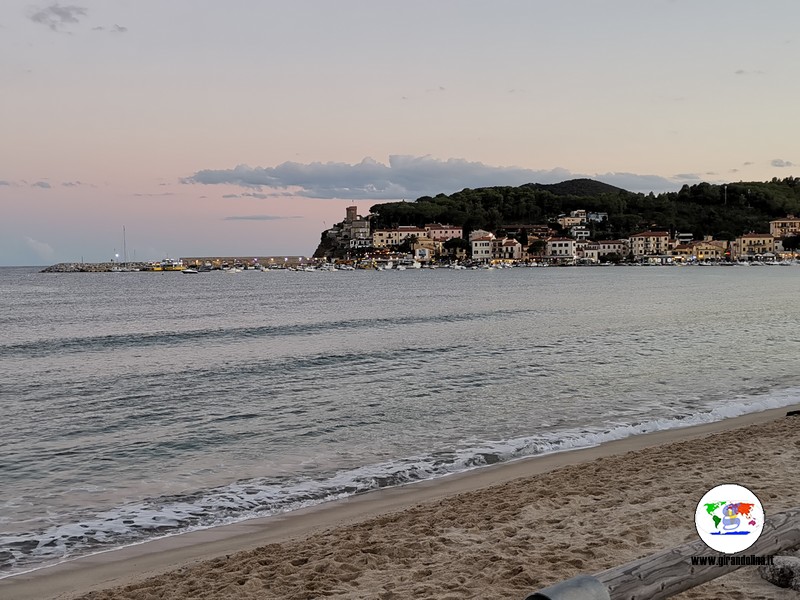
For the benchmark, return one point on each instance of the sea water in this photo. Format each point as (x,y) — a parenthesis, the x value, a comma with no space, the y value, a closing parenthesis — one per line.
(138,405)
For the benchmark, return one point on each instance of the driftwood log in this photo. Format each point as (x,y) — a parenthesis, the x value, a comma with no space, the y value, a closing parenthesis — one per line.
(671,571)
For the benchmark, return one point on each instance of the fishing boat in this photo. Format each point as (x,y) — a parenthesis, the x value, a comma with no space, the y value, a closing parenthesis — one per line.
(169,264)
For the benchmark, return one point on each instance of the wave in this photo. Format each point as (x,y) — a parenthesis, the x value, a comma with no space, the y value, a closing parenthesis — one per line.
(171,515)
(103,343)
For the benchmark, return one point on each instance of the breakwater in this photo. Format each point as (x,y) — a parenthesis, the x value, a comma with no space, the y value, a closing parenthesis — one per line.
(104,267)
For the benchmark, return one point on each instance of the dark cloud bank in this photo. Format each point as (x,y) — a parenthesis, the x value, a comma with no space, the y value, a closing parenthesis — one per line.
(57,16)
(406,177)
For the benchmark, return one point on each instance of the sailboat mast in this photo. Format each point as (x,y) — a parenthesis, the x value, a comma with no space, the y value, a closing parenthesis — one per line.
(124,247)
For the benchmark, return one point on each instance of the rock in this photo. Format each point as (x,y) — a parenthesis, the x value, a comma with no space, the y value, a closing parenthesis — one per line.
(784,572)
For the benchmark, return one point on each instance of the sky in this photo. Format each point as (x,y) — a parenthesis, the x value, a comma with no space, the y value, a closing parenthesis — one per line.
(248,126)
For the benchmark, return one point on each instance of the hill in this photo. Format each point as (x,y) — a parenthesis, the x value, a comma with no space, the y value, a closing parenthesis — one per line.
(577,187)
(724,211)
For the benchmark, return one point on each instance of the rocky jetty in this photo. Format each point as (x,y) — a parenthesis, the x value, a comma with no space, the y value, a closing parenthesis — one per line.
(104,267)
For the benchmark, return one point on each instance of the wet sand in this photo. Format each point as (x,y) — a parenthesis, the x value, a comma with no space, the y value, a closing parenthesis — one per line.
(500,532)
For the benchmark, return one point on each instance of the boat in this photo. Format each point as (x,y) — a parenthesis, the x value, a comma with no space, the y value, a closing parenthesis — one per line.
(189,271)
(168,264)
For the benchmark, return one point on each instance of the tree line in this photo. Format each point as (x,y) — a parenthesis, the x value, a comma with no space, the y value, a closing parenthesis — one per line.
(724,211)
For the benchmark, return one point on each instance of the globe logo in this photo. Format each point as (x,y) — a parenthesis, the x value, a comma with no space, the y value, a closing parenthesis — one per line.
(729,518)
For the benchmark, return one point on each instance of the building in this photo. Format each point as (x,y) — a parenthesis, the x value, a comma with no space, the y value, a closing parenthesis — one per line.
(597,217)
(650,243)
(566,222)
(702,251)
(480,233)
(608,247)
(407,231)
(707,250)
(441,233)
(753,245)
(387,238)
(559,247)
(358,229)
(589,252)
(781,228)
(580,232)
(482,247)
(353,232)
(506,249)
(683,253)
(425,249)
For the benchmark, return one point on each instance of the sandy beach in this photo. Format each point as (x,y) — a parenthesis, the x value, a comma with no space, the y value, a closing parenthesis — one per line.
(499,532)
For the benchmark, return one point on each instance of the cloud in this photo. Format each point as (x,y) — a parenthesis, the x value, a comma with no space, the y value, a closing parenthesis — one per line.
(258,218)
(405,177)
(56,16)
(115,29)
(41,184)
(5,182)
(141,195)
(231,196)
(687,177)
(258,195)
(41,249)
(779,162)
(72,183)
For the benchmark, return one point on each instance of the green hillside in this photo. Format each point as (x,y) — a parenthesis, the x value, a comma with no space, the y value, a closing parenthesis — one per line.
(724,211)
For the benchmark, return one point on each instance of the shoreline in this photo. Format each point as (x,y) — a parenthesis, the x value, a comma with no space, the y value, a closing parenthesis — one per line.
(136,563)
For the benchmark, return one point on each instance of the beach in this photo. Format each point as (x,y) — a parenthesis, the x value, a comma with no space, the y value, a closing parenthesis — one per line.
(498,532)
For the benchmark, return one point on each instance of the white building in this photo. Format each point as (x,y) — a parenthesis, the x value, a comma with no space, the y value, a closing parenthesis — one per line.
(650,243)
(482,248)
(561,247)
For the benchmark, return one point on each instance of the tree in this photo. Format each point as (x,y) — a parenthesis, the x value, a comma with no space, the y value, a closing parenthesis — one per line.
(537,247)
(407,244)
(791,243)
(453,245)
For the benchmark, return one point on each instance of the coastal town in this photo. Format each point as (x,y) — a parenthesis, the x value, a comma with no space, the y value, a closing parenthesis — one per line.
(354,244)
(565,241)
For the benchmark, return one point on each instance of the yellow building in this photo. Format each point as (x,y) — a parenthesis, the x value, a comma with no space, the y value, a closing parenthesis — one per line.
(781,228)
(753,245)
(708,250)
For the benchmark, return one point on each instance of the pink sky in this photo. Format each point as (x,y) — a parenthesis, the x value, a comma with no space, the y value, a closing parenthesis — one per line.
(137,114)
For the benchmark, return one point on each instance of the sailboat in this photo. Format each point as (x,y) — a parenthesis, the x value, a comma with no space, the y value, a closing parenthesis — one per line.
(124,252)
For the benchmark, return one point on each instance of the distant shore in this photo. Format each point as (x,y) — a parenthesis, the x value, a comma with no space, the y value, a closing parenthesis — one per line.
(499,532)
(110,267)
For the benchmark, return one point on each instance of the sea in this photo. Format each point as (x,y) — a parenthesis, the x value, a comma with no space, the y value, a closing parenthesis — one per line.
(138,405)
